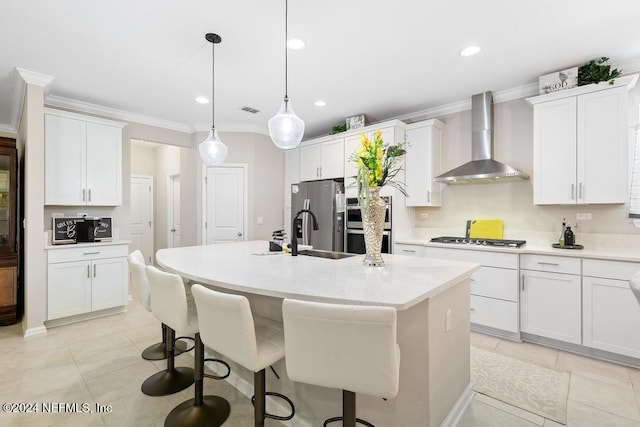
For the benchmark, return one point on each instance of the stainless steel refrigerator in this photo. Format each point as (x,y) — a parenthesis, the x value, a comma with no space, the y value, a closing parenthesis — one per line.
(326,200)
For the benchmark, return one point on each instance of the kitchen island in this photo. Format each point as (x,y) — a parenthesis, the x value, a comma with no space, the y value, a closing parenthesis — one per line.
(431,297)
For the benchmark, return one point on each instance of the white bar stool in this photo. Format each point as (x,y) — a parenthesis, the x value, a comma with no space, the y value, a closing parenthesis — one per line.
(349,347)
(228,327)
(169,302)
(140,287)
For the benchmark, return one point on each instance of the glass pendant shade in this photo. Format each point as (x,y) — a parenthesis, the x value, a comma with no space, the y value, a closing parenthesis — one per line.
(286,128)
(212,149)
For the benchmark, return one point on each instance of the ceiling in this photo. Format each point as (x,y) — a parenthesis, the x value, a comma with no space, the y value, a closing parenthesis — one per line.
(148,59)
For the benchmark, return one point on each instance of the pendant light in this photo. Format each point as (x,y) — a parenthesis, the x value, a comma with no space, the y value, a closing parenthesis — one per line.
(212,149)
(286,128)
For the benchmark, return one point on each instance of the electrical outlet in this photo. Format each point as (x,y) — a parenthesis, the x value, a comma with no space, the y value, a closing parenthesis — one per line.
(583,216)
(447,320)
(423,215)
(260,220)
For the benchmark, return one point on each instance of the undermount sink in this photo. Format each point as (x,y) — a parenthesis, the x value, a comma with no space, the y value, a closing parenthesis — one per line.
(324,254)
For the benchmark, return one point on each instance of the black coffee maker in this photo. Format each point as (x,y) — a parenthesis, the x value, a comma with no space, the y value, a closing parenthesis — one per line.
(86,229)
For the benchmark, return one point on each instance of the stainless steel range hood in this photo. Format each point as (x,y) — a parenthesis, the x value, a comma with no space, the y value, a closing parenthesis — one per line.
(482,168)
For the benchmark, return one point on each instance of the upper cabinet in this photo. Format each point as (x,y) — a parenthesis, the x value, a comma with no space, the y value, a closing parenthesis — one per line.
(322,161)
(580,144)
(422,163)
(83,160)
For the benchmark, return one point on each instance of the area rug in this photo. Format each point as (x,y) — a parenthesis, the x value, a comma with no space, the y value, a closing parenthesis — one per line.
(535,389)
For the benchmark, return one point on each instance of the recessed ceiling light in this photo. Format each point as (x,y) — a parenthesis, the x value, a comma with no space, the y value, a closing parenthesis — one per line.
(320,104)
(202,100)
(295,44)
(470,51)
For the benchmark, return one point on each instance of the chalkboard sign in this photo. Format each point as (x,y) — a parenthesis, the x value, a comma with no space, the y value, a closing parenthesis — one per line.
(64,230)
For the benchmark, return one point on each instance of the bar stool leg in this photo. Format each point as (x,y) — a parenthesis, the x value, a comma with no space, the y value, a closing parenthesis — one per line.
(210,411)
(348,408)
(159,351)
(259,403)
(171,380)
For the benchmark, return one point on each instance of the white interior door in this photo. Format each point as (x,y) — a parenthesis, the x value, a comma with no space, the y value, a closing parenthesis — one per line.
(225,206)
(141,215)
(173,206)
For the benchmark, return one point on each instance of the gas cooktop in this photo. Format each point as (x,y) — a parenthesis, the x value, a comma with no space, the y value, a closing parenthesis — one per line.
(479,241)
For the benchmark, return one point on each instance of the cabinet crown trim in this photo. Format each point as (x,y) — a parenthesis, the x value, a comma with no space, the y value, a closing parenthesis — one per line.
(628,81)
(84,118)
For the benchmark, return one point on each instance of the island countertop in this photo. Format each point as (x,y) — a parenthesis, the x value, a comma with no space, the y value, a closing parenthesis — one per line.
(249,267)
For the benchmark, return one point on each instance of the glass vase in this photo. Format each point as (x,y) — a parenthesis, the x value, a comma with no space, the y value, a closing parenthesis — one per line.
(373,211)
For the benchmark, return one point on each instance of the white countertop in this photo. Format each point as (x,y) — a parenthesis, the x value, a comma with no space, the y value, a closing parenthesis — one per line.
(606,253)
(401,283)
(87,244)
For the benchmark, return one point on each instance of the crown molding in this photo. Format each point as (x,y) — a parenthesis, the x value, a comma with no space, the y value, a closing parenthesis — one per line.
(34,78)
(458,106)
(86,107)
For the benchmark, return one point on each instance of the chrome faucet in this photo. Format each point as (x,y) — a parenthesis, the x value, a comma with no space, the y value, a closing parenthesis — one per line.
(294,240)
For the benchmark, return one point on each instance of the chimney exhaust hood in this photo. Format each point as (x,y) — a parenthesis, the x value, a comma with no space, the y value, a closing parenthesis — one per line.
(482,168)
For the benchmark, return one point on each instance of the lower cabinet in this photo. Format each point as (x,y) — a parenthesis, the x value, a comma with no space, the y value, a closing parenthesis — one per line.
(611,313)
(550,297)
(494,286)
(82,280)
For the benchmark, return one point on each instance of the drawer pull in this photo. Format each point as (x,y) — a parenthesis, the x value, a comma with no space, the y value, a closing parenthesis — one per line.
(555,264)
(409,250)
(472,309)
(94,270)
(91,253)
(88,271)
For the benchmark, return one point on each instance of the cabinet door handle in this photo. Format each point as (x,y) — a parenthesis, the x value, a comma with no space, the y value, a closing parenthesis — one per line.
(580,191)
(472,279)
(94,270)
(429,196)
(472,309)
(573,191)
(84,195)
(555,264)
(90,253)
(89,198)
(523,282)
(88,271)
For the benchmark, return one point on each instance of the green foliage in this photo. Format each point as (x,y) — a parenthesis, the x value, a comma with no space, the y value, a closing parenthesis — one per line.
(595,71)
(339,128)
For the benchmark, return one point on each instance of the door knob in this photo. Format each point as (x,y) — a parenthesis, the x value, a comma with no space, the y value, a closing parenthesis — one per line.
(239,234)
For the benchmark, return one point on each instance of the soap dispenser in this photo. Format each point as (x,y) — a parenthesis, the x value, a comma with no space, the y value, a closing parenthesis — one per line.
(569,237)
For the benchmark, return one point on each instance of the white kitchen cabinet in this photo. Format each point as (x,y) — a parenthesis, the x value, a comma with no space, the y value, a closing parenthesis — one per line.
(580,144)
(82,280)
(422,163)
(611,313)
(83,160)
(494,287)
(550,297)
(322,161)
(409,249)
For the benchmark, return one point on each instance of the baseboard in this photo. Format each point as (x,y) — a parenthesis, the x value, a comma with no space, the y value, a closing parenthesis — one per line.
(85,316)
(35,331)
(458,408)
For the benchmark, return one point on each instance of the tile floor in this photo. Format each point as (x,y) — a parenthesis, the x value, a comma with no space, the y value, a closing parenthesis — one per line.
(98,362)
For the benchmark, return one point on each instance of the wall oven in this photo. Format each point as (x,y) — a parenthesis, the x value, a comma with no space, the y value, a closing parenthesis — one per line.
(354,233)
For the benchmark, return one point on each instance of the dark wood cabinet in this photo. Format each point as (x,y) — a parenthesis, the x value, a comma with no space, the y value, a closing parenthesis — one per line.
(9,290)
